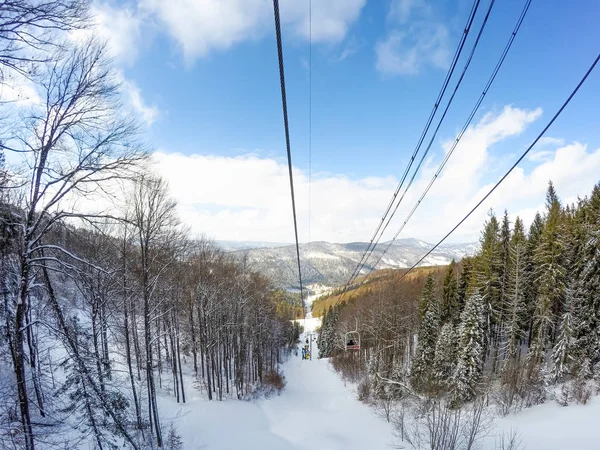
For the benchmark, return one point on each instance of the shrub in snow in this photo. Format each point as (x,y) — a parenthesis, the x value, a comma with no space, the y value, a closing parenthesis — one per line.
(509,440)
(364,391)
(350,367)
(439,425)
(581,389)
(174,441)
(563,398)
(273,381)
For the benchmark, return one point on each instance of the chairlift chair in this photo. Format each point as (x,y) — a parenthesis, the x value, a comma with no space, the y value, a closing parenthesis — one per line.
(352,340)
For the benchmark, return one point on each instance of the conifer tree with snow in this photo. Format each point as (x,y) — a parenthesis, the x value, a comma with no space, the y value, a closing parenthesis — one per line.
(465,284)
(320,341)
(531,287)
(505,238)
(487,281)
(328,333)
(585,267)
(470,356)
(561,353)
(514,302)
(550,275)
(422,364)
(445,356)
(427,298)
(449,304)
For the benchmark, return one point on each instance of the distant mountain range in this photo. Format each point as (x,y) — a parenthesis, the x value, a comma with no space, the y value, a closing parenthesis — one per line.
(332,264)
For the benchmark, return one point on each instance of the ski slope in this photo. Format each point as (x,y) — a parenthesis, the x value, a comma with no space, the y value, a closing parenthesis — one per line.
(315,411)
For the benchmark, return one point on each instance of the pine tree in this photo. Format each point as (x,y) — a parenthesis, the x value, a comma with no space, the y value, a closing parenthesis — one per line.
(488,266)
(561,354)
(328,334)
(320,337)
(470,356)
(445,355)
(449,307)
(464,287)
(505,238)
(427,296)
(515,307)
(550,274)
(531,286)
(421,370)
(585,267)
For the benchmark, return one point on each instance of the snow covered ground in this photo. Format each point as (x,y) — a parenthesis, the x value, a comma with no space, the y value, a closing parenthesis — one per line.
(554,427)
(317,411)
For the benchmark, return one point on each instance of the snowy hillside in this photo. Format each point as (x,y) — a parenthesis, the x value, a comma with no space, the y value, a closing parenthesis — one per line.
(318,410)
(332,264)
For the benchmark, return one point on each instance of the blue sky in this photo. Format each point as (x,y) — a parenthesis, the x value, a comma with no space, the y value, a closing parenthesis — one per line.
(204,77)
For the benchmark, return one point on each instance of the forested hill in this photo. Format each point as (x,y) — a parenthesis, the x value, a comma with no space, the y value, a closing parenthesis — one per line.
(520,315)
(378,284)
(332,264)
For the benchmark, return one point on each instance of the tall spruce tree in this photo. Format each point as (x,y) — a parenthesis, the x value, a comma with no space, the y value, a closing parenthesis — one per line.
(422,365)
(449,305)
(531,286)
(586,307)
(515,307)
(505,237)
(471,353)
(427,298)
(550,275)
(562,351)
(488,266)
(445,356)
(464,286)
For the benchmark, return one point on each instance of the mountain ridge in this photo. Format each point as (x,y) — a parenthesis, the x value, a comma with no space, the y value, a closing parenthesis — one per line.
(331,264)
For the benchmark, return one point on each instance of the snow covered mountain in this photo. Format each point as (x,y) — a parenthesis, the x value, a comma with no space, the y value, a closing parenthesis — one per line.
(331,264)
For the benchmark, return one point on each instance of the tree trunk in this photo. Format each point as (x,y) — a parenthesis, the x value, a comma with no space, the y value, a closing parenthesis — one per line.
(18,355)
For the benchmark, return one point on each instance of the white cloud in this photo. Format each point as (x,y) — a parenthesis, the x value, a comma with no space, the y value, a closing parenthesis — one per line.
(416,39)
(133,97)
(352,46)
(548,141)
(331,19)
(247,197)
(408,52)
(200,26)
(119,27)
(401,10)
(541,155)
(16,89)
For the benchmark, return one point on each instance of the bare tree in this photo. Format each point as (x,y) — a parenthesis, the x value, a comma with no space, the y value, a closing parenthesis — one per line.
(509,440)
(156,226)
(29,28)
(74,146)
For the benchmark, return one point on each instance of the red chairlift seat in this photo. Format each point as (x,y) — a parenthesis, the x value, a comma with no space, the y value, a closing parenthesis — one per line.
(352,340)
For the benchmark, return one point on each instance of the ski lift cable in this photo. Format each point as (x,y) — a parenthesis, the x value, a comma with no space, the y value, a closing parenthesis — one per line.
(287,139)
(464,128)
(309,112)
(517,162)
(423,134)
(435,132)
(445,84)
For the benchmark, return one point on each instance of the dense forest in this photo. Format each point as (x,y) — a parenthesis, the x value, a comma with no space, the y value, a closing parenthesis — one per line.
(106,299)
(518,318)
